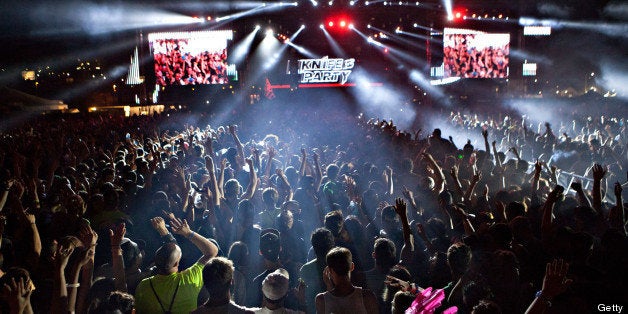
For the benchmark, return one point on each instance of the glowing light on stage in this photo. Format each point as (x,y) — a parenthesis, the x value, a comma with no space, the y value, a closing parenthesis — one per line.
(61,18)
(242,48)
(256,10)
(382,100)
(448,5)
(269,32)
(418,78)
(334,44)
(302,50)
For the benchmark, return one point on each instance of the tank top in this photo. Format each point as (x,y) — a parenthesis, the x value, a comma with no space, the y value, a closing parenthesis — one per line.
(352,303)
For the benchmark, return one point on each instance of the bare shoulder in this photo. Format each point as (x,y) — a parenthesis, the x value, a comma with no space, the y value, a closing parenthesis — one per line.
(320,303)
(370,301)
(366,293)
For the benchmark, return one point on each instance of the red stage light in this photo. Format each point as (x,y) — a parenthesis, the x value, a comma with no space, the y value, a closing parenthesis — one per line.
(330,24)
(343,23)
(458,15)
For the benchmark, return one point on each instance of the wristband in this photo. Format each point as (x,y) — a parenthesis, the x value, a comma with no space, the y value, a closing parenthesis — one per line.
(545,299)
(191,235)
(168,238)
(73,285)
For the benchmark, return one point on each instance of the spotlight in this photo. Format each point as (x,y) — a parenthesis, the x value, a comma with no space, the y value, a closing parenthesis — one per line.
(269,32)
(295,3)
(321,26)
(368,26)
(343,23)
(302,26)
(257,27)
(330,24)
(458,15)
(351,2)
(330,3)
(415,25)
(314,3)
(209,18)
(367,3)
(351,26)
(398,29)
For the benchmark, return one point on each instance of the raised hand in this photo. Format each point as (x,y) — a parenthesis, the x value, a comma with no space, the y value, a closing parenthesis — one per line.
(477,176)
(327,279)
(556,193)
(180,227)
(555,281)
(407,194)
(18,294)
(170,215)
(538,166)
(454,172)
(400,207)
(62,255)
(598,172)
(88,237)
(209,163)
(395,282)
(576,186)
(618,189)
(117,235)
(159,225)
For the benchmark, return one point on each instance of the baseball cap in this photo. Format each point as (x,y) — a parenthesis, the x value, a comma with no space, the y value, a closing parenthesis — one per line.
(275,285)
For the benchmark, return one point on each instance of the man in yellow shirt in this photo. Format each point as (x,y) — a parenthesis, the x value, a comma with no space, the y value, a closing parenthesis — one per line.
(171,291)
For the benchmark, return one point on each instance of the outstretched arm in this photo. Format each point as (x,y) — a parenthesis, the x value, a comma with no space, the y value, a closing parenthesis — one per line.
(239,147)
(250,189)
(555,282)
(548,207)
(408,241)
(582,198)
(616,217)
(208,248)
(117,259)
(598,174)
(439,180)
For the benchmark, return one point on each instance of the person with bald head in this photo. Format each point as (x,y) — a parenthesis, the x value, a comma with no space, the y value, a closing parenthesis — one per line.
(171,291)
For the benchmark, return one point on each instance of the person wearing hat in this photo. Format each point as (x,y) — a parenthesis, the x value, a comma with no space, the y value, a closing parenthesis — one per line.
(269,248)
(275,288)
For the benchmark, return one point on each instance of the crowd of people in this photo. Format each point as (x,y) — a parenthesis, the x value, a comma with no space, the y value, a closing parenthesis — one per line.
(176,65)
(463,59)
(173,213)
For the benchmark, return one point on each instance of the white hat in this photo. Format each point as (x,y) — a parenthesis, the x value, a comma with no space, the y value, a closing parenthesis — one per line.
(275,285)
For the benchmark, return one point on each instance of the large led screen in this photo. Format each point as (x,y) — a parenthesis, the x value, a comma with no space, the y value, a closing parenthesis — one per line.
(190,58)
(475,54)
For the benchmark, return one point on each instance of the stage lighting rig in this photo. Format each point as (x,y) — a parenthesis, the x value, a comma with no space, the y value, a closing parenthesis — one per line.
(338,23)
